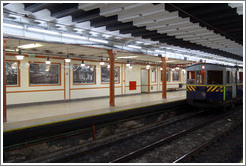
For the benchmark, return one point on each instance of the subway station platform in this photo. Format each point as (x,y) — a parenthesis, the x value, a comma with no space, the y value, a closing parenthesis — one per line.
(37,115)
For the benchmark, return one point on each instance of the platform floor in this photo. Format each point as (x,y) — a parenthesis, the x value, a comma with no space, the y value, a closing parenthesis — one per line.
(35,115)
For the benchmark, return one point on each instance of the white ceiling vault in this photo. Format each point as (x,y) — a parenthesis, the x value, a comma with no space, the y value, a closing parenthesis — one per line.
(191,28)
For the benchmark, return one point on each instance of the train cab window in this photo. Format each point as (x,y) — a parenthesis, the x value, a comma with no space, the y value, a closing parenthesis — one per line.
(191,77)
(240,77)
(201,77)
(228,80)
(215,77)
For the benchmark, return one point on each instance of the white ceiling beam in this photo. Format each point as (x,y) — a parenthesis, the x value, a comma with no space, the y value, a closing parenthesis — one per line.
(145,10)
(90,6)
(160,16)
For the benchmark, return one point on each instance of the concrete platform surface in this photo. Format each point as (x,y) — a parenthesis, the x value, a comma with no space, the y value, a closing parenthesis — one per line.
(35,115)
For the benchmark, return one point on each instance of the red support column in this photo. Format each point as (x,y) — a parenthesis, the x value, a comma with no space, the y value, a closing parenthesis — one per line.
(164,78)
(111,54)
(4,83)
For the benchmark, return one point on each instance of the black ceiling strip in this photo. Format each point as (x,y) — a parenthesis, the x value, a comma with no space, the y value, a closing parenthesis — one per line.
(87,16)
(103,21)
(34,7)
(112,24)
(134,29)
(212,12)
(63,10)
(119,25)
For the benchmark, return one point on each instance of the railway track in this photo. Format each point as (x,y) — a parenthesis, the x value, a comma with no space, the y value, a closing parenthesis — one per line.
(140,142)
(36,147)
(113,151)
(198,152)
(127,146)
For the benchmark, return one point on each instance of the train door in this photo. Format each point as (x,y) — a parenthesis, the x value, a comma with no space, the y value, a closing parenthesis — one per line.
(144,80)
(234,83)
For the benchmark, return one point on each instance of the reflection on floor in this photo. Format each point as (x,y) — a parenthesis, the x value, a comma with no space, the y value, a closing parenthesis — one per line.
(47,113)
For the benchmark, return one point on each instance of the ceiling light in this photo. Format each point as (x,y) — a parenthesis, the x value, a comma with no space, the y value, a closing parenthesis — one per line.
(130,67)
(133,46)
(33,45)
(108,66)
(43,31)
(147,66)
(74,36)
(48,62)
(98,40)
(128,64)
(160,51)
(19,56)
(82,63)
(127,57)
(67,60)
(161,68)
(101,62)
(13,26)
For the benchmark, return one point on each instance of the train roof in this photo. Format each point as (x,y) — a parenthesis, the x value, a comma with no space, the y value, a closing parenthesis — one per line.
(205,64)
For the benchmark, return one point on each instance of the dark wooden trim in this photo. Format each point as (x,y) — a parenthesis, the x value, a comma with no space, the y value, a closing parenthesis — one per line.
(164,77)
(111,54)
(4,84)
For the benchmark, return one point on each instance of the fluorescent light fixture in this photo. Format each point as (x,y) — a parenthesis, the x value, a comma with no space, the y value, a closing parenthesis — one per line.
(98,40)
(161,68)
(101,62)
(67,60)
(160,51)
(74,36)
(19,57)
(177,68)
(130,67)
(33,45)
(133,46)
(82,63)
(10,50)
(48,62)
(108,66)
(128,64)
(147,66)
(43,31)
(127,57)
(13,26)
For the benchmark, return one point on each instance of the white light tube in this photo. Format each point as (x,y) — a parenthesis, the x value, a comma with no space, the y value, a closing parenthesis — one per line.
(13,26)
(43,31)
(98,40)
(74,36)
(132,46)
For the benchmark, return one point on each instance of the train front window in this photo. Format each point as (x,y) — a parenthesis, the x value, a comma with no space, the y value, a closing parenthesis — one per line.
(201,77)
(215,77)
(191,77)
(240,77)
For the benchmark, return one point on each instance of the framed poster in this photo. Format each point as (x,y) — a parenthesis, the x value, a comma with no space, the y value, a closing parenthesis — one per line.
(105,74)
(43,74)
(12,73)
(84,74)
(176,75)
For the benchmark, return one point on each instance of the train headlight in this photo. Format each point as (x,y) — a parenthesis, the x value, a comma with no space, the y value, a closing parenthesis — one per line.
(203,67)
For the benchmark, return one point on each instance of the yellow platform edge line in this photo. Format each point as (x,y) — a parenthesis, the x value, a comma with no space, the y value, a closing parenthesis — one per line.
(65,120)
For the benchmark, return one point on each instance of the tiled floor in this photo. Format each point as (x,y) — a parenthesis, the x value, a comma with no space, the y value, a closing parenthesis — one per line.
(47,113)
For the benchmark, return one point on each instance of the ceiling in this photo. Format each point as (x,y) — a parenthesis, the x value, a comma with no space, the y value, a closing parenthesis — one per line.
(83,52)
(214,28)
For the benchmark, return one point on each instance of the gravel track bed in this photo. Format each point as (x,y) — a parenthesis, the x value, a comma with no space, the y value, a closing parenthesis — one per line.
(231,146)
(127,145)
(168,153)
(54,145)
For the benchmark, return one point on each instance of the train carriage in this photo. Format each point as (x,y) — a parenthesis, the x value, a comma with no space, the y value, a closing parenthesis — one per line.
(211,85)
